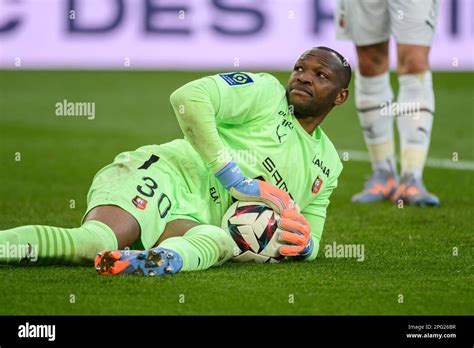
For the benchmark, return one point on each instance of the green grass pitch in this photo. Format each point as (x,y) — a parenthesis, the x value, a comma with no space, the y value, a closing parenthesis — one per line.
(420,257)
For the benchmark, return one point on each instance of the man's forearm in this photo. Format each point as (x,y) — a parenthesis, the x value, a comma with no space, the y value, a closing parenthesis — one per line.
(195,107)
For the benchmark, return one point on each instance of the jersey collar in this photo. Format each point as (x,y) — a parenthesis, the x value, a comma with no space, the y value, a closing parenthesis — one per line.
(316,136)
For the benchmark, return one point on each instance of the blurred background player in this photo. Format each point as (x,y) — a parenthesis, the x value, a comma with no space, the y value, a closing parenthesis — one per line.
(369,23)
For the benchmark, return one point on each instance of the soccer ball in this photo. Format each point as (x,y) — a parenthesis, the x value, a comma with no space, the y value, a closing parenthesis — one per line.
(253,226)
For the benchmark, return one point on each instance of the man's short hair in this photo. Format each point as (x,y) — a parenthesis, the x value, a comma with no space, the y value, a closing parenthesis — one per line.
(346,67)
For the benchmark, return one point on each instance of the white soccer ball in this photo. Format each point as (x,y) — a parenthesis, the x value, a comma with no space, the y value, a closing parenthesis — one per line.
(253,226)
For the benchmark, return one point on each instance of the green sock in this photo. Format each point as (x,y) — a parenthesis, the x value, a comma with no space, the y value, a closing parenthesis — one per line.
(201,247)
(55,245)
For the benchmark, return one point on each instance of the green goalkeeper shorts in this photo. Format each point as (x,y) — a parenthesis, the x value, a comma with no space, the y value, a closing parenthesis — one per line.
(151,189)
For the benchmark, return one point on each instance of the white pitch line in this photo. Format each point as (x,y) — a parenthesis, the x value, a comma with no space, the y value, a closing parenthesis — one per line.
(363,156)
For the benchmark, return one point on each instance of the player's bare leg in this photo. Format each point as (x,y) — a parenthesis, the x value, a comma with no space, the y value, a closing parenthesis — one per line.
(416,102)
(373,102)
(176,228)
(373,59)
(122,223)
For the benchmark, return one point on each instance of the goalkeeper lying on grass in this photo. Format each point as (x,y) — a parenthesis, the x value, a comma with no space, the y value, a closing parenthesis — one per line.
(169,199)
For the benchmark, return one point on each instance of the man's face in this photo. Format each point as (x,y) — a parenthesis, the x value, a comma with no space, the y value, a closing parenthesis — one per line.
(314,85)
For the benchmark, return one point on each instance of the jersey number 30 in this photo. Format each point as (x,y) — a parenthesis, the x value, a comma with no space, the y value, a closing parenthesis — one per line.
(149,187)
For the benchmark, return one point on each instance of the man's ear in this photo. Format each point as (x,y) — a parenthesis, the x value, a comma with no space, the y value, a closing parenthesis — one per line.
(342,96)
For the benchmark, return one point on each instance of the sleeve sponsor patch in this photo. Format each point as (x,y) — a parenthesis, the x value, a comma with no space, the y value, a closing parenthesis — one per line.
(236,78)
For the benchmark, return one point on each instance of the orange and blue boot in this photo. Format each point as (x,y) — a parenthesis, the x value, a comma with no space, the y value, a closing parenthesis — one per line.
(149,263)
(380,186)
(412,191)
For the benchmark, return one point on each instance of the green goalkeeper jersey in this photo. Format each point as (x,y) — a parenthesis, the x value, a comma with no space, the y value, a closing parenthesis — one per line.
(254,122)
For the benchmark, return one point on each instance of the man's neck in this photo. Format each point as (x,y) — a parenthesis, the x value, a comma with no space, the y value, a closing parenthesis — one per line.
(309,124)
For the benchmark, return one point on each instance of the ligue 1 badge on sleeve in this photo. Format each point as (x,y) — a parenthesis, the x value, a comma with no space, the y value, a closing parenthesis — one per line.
(236,78)
(317,185)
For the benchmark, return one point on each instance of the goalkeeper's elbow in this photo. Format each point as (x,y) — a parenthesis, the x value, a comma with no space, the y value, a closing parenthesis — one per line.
(177,100)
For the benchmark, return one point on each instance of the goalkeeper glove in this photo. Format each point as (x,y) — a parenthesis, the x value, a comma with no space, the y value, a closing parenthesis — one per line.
(296,234)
